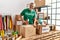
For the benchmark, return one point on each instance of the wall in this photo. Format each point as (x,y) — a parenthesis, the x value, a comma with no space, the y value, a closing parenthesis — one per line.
(12,7)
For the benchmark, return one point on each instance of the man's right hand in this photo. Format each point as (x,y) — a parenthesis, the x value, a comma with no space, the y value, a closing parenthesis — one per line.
(25,22)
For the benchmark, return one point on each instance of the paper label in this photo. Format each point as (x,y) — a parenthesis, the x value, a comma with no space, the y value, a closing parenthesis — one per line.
(45,29)
(19,23)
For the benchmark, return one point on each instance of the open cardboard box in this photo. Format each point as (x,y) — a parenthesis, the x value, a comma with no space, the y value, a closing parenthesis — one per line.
(26,30)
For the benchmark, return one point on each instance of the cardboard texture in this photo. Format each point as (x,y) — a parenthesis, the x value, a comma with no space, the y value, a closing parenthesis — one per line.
(27,30)
(41,15)
(45,15)
(18,20)
(39,3)
(13,38)
(18,28)
(57,39)
(52,28)
(18,17)
(27,39)
(42,29)
(39,29)
(4,38)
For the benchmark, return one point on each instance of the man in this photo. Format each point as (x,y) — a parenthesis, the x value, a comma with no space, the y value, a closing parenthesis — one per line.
(29,14)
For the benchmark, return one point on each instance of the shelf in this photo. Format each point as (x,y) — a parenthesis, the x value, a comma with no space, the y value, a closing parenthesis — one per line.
(42,6)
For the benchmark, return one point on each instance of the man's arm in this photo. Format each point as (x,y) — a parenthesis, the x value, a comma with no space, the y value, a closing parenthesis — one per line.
(22,15)
(35,19)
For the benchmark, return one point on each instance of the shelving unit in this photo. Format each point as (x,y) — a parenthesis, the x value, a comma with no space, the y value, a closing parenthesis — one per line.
(39,10)
(54,13)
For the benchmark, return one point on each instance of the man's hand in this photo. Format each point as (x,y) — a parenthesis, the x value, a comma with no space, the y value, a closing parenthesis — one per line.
(25,22)
(34,24)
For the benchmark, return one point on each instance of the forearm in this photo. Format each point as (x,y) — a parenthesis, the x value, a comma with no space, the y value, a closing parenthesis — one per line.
(24,21)
(35,22)
(22,18)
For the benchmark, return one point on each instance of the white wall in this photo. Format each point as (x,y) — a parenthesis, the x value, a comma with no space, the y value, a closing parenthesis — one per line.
(12,7)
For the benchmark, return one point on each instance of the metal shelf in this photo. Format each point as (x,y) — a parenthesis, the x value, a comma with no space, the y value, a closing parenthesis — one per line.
(56,8)
(39,8)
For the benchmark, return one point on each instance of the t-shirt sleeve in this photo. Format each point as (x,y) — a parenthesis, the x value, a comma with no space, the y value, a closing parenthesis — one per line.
(22,13)
(35,16)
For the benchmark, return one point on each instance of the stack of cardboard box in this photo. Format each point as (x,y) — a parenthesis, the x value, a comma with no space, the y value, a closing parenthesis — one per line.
(39,3)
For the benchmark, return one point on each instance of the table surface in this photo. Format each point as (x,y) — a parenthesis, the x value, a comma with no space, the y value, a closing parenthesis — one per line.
(42,35)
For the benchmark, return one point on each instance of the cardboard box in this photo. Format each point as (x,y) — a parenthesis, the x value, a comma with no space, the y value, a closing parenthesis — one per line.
(18,28)
(39,3)
(42,29)
(18,17)
(18,20)
(27,30)
(52,28)
(39,29)
(4,38)
(45,15)
(41,15)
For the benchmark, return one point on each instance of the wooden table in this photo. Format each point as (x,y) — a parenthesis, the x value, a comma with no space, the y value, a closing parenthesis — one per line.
(53,35)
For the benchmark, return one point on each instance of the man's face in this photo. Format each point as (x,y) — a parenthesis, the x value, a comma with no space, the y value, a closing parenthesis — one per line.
(31,6)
